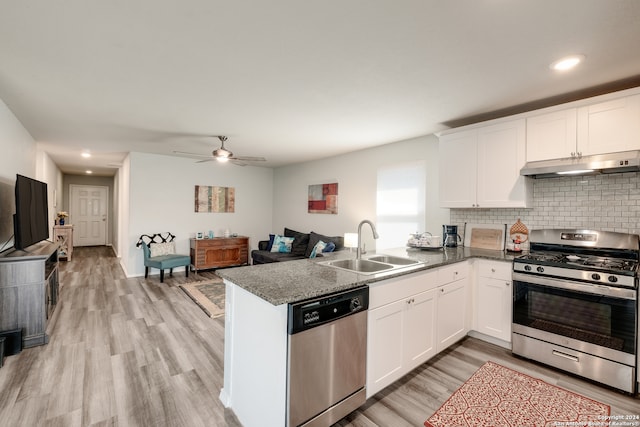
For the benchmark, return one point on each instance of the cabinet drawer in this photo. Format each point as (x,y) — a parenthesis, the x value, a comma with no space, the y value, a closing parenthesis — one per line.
(453,272)
(495,270)
(388,291)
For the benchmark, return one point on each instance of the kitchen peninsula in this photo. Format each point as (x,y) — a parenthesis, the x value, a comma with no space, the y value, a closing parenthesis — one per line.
(257,299)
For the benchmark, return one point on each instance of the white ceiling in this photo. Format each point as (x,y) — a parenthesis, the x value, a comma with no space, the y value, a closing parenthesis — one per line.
(290,80)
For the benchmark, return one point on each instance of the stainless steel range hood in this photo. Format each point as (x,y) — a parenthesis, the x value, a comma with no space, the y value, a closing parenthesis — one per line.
(627,161)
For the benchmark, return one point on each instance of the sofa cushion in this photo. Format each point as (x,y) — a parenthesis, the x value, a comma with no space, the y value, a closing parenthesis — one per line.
(282,244)
(300,242)
(314,238)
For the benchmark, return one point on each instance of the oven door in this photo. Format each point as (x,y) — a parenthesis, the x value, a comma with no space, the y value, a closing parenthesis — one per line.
(595,319)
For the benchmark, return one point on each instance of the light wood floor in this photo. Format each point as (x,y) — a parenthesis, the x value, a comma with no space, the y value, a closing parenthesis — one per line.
(134,352)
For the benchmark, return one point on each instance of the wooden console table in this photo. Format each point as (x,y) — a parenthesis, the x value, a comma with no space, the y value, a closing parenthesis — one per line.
(63,234)
(219,252)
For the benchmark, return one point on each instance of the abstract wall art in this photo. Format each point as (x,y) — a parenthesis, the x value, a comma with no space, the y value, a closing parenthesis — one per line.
(215,199)
(323,198)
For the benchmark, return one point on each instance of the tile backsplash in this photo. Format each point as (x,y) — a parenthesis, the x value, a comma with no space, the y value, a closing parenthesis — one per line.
(600,202)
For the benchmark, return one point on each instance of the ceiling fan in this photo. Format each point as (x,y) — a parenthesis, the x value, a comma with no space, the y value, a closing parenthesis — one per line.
(223,155)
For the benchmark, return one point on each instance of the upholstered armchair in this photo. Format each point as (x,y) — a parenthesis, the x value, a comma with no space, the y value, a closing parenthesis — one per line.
(159,252)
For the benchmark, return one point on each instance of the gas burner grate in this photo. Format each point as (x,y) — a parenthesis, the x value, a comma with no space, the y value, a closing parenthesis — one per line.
(574,260)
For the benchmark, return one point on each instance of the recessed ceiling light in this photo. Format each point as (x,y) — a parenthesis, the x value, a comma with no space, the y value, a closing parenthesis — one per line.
(86,154)
(89,172)
(567,63)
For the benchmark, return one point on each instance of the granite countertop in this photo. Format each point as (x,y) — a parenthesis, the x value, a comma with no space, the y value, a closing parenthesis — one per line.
(291,281)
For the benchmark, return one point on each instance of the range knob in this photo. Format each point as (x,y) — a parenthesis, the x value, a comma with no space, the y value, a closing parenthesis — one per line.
(540,270)
(595,276)
(355,304)
(527,268)
(613,279)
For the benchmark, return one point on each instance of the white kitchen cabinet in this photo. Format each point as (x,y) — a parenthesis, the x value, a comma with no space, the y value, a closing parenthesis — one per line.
(609,126)
(419,331)
(480,167)
(400,338)
(385,346)
(451,320)
(552,135)
(494,296)
(401,328)
(458,169)
(602,127)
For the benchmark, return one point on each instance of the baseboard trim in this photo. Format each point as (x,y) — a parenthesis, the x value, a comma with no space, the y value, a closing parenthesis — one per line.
(490,339)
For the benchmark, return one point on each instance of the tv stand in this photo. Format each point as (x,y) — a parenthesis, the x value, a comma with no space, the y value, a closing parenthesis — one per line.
(29,290)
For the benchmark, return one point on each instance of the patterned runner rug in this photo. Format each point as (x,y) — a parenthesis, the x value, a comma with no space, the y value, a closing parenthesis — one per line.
(208,295)
(499,396)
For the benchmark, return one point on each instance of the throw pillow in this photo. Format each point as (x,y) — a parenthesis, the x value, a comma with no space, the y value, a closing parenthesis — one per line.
(159,249)
(301,240)
(282,244)
(330,247)
(314,238)
(319,247)
(270,244)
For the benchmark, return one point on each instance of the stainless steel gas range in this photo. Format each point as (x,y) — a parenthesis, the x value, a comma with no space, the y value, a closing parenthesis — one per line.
(575,304)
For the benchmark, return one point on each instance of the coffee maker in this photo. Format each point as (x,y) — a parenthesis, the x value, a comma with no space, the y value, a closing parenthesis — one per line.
(450,236)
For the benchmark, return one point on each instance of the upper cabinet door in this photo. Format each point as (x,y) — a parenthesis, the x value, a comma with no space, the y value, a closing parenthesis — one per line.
(458,169)
(610,126)
(552,135)
(501,155)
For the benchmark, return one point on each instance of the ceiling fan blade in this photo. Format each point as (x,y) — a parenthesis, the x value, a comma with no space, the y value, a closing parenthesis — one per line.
(205,160)
(249,159)
(184,153)
(237,163)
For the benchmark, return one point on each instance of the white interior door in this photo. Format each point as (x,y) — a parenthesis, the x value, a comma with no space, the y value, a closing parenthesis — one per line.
(88,214)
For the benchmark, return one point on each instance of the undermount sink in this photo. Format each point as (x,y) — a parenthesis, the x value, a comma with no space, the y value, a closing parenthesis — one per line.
(360,265)
(396,260)
(375,264)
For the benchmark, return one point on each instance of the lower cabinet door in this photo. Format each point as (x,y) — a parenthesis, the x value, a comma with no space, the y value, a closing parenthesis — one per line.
(494,308)
(401,336)
(419,329)
(384,346)
(451,312)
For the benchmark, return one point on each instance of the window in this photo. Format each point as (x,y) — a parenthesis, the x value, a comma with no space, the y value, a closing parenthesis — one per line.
(400,203)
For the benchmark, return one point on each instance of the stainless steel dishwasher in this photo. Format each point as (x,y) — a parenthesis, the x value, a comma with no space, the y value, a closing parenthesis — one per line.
(326,371)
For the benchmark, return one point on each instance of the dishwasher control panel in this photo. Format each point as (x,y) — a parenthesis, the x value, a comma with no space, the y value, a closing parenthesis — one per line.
(318,311)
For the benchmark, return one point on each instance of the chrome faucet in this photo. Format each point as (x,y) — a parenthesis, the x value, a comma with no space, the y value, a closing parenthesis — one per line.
(375,236)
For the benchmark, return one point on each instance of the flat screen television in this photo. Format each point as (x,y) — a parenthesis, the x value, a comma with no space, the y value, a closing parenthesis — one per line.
(31,220)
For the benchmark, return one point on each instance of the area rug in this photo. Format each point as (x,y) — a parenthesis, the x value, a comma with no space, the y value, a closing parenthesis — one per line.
(208,295)
(499,396)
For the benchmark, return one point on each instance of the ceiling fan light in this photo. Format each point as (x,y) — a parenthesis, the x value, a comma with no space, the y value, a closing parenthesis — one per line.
(222,152)
(222,159)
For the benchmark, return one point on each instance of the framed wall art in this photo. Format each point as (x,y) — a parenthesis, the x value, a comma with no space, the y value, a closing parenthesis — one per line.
(323,198)
(215,199)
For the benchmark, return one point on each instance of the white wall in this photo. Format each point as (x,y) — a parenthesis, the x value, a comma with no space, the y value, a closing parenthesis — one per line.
(161,198)
(356,175)
(18,156)
(123,201)
(47,171)
(18,147)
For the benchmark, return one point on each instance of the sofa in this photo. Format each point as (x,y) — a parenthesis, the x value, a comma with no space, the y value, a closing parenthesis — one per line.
(302,246)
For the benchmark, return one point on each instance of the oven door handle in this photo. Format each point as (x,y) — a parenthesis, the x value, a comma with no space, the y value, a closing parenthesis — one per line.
(609,291)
